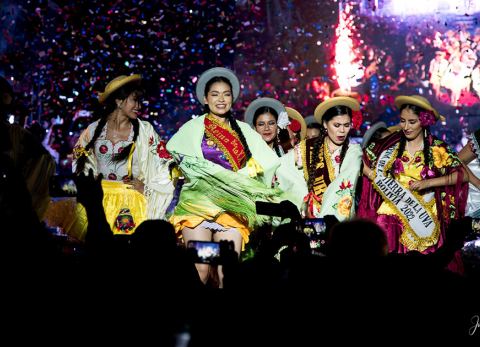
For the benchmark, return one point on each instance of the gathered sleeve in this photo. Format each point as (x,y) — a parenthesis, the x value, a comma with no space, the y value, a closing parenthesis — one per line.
(79,150)
(154,162)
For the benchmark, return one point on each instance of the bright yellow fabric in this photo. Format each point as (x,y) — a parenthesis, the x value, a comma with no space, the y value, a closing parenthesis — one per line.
(118,195)
(71,216)
(225,220)
(411,172)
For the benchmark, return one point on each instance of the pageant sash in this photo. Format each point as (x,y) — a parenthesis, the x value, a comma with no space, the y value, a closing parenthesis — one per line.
(421,229)
(227,141)
(324,174)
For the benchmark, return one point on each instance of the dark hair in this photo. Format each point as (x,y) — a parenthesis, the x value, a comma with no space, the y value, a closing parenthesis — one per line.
(314,126)
(103,112)
(403,140)
(378,134)
(339,110)
(230,117)
(263,110)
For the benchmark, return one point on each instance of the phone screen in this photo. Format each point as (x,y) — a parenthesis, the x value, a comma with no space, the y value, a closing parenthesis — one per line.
(206,252)
(315,229)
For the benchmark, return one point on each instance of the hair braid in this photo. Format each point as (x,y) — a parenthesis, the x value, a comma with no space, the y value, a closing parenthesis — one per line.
(343,152)
(401,149)
(236,128)
(426,147)
(98,130)
(126,151)
(312,166)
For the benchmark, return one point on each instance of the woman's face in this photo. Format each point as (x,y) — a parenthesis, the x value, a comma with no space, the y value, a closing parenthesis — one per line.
(131,106)
(313,133)
(338,128)
(266,125)
(219,98)
(410,124)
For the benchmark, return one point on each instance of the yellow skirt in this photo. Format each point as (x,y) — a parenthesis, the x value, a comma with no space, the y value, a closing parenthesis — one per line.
(125,209)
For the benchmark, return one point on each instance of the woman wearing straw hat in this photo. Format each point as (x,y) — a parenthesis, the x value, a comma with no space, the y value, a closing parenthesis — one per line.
(413,183)
(227,166)
(330,165)
(130,156)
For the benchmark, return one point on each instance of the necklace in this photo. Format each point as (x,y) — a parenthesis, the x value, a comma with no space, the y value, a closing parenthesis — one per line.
(331,151)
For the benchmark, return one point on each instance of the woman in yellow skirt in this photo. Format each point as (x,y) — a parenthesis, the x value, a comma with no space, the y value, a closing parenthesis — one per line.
(131,157)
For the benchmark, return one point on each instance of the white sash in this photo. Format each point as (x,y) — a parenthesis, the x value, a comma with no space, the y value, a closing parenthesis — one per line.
(421,221)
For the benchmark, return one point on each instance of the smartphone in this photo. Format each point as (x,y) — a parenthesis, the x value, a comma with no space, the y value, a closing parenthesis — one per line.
(205,252)
(315,229)
(476,225)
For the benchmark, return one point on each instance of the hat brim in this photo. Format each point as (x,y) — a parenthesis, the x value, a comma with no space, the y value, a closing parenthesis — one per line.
(411,100)
(116,85)
(310,120)
(217,72)
(294,114)
(262,102)
(370,131)
(346,101)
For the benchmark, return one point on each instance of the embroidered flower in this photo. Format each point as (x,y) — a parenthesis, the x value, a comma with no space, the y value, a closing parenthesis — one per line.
(405,159)
(346,185)
(112,177)
(418,159)
(398,166)
(151,141)
(337,159)
(162,151)
(426,118)
(103,149)
(441,157)
(427,172)
(344,205)
(120,149)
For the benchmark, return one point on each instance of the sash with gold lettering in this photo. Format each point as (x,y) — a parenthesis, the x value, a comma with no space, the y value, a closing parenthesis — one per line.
(227,141)
(324,174)
(420,227)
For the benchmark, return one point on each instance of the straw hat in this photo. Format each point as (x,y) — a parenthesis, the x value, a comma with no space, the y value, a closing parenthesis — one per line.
(416,100)
(294,114)
(346,101)
(370,131)
(217,72)
(262,102)
(116,83)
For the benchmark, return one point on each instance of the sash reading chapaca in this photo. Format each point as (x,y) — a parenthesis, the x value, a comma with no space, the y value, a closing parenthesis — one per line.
(322,173)
(420,228)
(227,141)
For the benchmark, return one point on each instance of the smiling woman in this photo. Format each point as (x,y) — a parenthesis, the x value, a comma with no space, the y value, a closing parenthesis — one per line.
(428,178)
(227,167)
(125,150)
